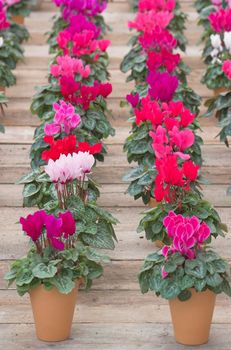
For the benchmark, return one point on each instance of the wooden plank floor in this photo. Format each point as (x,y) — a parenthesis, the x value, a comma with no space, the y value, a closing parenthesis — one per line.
(113,315)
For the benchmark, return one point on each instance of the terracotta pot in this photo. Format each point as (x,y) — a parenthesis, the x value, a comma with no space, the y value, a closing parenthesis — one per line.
(159,244)
(18,19)
(2,89)
(192,318)
(218,91)
(53,312)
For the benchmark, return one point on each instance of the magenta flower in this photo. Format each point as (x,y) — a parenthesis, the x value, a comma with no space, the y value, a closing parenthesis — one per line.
(68,224)
(227,68)
(53,227)
(162,86)
(221,20)
(187,234)
(33,224)
(133,99)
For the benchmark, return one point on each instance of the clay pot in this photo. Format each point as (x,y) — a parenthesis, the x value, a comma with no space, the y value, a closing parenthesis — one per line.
(159,244)
(152,203)
(218,91)
(53,312)
(2,89)
(192,318)
(18,19)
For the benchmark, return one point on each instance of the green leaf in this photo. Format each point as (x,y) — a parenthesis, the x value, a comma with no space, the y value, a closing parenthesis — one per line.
(170,266)
(185,295)
(186,282)
(196,268)
(102,239)
(214,280)
(170,291)
(200,284)
(63,283)
(24,277)
(27,178)
(76,205)
(30,189)
(44,271)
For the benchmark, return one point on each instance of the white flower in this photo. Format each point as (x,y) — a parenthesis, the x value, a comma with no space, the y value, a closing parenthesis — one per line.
(1,41)
(227,41)
(216,41)
(214,53)
(70,167)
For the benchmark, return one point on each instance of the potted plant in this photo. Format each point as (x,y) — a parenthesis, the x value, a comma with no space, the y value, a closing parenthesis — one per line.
(18,10)
(189,275)
(218,50)
(220,105)
(139,144)
(52,271)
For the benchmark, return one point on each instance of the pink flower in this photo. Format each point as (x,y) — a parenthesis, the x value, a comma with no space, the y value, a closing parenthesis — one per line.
(158,39)
(145,21)
(164,274)
(68,67)
(157,5)
(221,20)
(182,139)
(65,119)
(227,68)
(33,224)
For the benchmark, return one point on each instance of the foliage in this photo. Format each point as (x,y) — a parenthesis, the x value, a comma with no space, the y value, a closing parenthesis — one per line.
(152,222)
(221,106)
(60,269)
(206,271)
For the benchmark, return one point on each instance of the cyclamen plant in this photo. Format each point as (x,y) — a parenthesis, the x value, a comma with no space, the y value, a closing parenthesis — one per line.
(56,257)
(186,263)
(152,115)
(218,50)
(18,7)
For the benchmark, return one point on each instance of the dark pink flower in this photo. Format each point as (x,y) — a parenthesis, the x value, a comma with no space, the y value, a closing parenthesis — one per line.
(68,224)
(53,228)
(162,86)
(133,99)
(227,68)
(33,224)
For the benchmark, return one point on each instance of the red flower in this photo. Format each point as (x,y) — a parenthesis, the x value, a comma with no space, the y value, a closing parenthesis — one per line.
(190,170)
(61,146)
(86,147)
